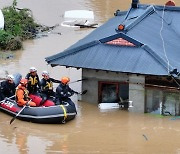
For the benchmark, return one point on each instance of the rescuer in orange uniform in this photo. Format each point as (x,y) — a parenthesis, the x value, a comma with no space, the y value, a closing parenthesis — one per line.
(22,94)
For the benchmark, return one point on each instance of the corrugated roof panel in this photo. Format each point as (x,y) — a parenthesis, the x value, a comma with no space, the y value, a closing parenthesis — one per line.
(125,59)
(150,30)
(156,38)
(175,21)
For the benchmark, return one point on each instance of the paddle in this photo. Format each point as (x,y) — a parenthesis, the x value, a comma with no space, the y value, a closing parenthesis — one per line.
(77,80)
(82,93)
(19,112)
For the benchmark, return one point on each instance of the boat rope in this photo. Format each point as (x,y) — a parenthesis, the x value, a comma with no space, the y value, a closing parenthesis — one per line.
(65,113)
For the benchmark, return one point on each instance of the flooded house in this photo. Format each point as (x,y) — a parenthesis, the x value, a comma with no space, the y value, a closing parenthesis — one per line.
(134,56)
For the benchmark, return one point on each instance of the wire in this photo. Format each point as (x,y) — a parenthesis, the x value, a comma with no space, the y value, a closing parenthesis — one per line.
(164,46)
(168,64)
(162,25)
(175,80)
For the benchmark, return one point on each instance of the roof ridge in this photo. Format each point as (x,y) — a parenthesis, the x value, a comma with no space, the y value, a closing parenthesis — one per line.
(70,51)
(169,8)
(160,7)
(150,9)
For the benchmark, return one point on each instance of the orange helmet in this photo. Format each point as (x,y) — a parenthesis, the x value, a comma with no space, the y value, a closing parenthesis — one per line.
(23,82)
(65,80)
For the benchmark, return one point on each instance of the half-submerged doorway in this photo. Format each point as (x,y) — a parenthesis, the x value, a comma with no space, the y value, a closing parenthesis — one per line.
(113,92)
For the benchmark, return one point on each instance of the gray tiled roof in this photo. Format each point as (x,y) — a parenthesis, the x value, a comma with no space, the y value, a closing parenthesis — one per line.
(152,29)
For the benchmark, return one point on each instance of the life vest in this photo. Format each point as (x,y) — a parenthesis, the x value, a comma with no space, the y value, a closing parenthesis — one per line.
(48,85)
(33,80)
(25,92)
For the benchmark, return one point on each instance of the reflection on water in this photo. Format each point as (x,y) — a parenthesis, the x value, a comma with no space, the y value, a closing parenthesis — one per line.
(93,130)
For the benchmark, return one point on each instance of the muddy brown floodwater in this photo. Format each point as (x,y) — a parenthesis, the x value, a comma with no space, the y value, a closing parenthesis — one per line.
(92,131)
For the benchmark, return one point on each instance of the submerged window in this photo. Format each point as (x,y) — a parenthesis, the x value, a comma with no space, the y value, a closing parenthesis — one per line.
(162,95)
(113,92)
(160,101)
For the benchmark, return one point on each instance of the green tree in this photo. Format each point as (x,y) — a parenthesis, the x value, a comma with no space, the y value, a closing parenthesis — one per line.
(19,26)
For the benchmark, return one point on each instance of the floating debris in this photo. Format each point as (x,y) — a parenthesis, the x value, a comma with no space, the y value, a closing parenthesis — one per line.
(14,127)
(145,137)
(6,56)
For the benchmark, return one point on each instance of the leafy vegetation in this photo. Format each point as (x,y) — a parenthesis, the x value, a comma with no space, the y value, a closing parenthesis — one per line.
(19,26)
(9,42)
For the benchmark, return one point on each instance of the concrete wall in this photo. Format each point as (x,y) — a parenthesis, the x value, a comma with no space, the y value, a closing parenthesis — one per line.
(136,86)
(137,93)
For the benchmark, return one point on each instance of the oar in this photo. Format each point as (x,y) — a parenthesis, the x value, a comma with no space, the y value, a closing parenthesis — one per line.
(77,80)
(19,112)
(82,93)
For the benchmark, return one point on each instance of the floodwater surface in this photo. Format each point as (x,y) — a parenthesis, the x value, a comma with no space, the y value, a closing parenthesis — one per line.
(93,130)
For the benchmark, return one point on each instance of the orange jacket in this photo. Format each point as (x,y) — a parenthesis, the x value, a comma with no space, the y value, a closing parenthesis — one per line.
(22,96)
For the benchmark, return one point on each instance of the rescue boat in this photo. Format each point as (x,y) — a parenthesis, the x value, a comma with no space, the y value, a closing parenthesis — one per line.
(49,113)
